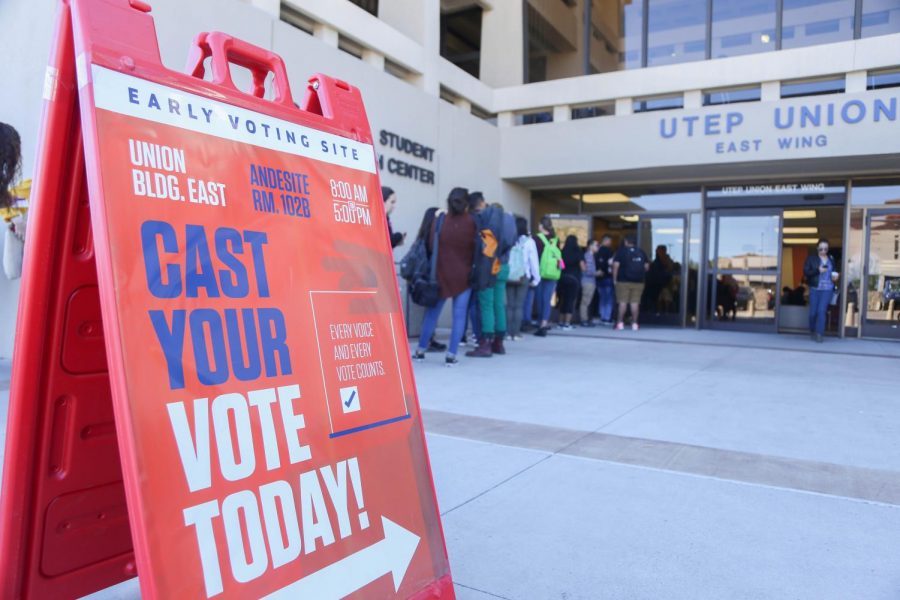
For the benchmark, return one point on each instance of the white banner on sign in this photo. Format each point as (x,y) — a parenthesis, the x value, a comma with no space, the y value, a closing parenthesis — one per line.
(132,96)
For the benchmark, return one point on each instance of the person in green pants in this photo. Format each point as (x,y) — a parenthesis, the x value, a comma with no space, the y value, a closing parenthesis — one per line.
(492,299)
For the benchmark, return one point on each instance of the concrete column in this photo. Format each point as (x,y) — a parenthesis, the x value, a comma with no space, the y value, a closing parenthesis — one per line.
(502,53)
(273,7)
(406,17)
(770,91)
(856,82)
(463,105)
(506,119)
(374,58)
(624,106)
(327,34)
(562,113)
(693,99)
(431,41)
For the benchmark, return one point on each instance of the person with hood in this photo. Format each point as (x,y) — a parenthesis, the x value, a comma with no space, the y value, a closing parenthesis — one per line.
(496,236)
(390,202)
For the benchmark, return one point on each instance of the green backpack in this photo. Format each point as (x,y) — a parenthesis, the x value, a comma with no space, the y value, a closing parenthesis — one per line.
(551,257)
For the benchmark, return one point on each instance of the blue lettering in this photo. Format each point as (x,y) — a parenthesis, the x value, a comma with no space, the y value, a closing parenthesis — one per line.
(273,334)
(711,125)
(813,117)
(860,115)
(256,239)
(172,343)
(889,111)
(234,121)
(252,369)
(154,103)
(788,122)
(690,124)
(150,231)
(732,120)
(199,270)
(133,95)
(213,322)
(236,286)
(662,130)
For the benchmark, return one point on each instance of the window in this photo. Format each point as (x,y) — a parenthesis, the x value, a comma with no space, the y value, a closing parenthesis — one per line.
(461,39)
(809,22)
(877,80)
(595,110)
(349,46)
(814,87)
(676,31)
(742,27)
(651,104)
(732,96)
(293,17)
(536,117)
(880,17)
(370,6)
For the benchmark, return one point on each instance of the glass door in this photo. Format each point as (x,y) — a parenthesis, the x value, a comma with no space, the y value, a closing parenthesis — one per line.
(663,239)
(880,293)
(743,255)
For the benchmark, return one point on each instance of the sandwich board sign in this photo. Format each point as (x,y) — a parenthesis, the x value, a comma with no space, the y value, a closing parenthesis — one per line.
(211,387)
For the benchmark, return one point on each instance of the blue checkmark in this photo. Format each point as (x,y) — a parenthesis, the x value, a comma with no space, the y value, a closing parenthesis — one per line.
(350,399)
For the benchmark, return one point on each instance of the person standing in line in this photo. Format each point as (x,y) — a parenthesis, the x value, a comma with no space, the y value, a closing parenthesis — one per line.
(523,278)
(423,233)
(821,274)
(532,258)
(452,237)
(476,204)
(498,235)
(588,281)
(570,281)
(549,260)
(630,265)
(390,202)
(605,287)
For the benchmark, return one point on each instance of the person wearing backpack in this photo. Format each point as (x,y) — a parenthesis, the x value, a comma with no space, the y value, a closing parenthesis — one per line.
(494,241)
(588,282)
(417,261)
(630,266)
(550,264)
(523,277)
(451,237)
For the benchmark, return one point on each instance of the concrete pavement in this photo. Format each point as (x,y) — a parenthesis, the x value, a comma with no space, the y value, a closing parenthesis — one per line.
(667,464)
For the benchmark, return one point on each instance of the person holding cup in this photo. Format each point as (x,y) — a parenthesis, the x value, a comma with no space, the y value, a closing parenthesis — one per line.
(821,274)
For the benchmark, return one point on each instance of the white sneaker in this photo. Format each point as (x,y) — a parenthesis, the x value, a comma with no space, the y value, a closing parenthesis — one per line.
(634,327)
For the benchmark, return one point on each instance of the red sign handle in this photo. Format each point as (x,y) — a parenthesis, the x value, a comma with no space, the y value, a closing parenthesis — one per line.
(225,49)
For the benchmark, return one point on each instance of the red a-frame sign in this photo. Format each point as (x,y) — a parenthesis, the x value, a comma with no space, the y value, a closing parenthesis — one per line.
(211,383)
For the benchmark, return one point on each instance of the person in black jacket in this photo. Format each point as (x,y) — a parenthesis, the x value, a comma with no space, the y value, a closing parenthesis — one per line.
(821,273)
(390,201)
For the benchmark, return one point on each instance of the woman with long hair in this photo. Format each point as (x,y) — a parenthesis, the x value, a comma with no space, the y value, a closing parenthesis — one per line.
(10,162)
(570,281)
(453,236)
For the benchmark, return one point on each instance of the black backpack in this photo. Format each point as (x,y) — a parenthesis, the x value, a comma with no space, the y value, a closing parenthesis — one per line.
(633,269)
(415,263)
(424,288)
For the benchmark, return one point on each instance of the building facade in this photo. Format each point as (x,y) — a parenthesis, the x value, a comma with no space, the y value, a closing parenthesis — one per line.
(727,135)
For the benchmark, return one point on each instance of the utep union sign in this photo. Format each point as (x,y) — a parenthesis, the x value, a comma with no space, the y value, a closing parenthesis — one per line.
(269,431)
(785,128)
